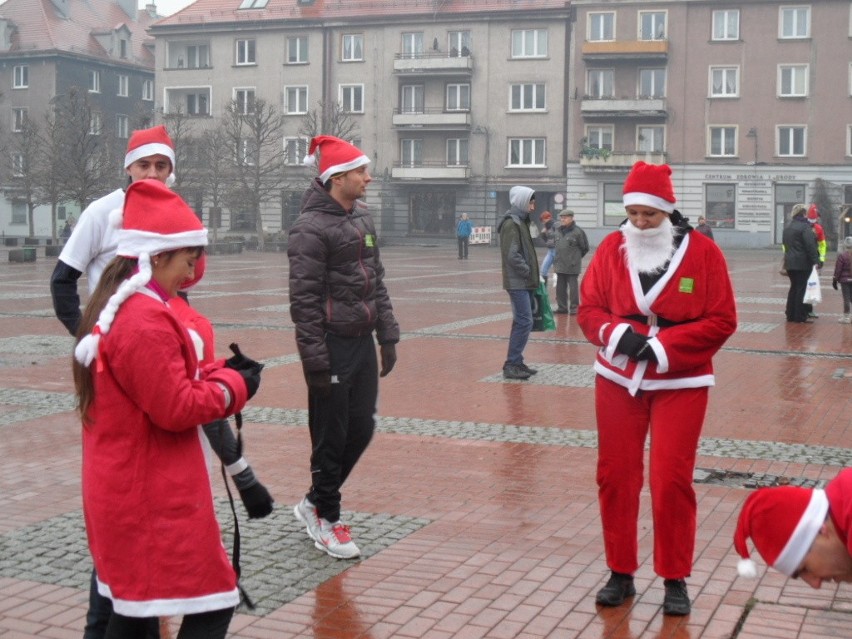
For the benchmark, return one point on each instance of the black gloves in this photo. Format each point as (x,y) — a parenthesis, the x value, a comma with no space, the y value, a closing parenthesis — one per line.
(319,382)
(388,353)
(248,368)
(636,347)
(256,498)
(834,283)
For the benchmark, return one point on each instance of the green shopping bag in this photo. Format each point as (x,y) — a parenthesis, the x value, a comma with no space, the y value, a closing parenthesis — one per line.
(542,313)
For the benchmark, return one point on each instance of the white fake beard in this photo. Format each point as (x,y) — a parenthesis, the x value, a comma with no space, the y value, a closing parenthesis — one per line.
(648,250)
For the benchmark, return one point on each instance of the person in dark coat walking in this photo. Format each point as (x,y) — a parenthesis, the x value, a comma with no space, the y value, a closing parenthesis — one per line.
(571,245)
(800,257)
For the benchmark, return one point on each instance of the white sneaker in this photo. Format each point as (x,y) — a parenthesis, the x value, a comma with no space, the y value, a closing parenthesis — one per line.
(306,513)
(846,319)
(335,540)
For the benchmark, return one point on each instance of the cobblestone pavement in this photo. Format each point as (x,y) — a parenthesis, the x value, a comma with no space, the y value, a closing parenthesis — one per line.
(475,505)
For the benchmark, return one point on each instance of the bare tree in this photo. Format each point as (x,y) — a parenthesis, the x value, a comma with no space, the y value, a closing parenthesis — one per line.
(23,158)
(181,131)
(50,170)
(254,132)
(215,155)
(329,118)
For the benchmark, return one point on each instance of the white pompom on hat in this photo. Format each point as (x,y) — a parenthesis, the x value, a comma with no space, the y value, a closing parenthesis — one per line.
(155,219)
(335,156)
(650,185)
(147,142)
(782,523)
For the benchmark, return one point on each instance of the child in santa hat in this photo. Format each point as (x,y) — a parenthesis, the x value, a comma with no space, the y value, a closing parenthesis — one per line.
(149,513)
(804,533)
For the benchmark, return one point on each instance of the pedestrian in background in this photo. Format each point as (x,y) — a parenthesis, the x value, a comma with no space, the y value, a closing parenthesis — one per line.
(520,277)
(338,300)
(571,246)
(463,231)
(842,279)
(548,226)
(703,227)
(800,257)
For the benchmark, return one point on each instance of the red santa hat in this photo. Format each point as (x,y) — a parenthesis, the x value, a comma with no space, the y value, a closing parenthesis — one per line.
(782,523)
(813,214)
(650,185)
(336,156)
(147,142)
(155,219)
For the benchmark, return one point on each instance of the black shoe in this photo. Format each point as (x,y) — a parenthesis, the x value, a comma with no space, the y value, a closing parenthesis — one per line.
(561,311)
(813,315)
(527,369)
(676,602)
(510,371)
(617,589)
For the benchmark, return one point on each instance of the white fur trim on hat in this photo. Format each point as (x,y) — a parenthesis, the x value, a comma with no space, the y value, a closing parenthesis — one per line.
(133,242)
(342,168)
(310,160)
(646,199)
(803,536)
(147,150)
(747,568)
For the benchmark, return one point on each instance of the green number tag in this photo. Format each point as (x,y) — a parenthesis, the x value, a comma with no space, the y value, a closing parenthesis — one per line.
(687,285)
(369,241)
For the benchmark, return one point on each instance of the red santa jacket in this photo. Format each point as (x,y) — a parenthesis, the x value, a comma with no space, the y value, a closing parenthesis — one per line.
(147,498)
(693,300)
(839,493)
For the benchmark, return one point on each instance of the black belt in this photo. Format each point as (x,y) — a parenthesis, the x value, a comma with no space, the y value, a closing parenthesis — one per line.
(662,322)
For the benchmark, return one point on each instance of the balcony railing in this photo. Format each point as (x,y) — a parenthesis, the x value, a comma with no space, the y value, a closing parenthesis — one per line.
(602,160)
(432,63)
(430,117)
(626,49)
(425,170)
(624,107)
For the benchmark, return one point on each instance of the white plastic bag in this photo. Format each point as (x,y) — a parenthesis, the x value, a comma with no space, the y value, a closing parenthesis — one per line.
(813,292)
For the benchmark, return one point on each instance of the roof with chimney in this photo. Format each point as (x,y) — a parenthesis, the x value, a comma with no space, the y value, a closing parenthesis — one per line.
(241,11)
(83,27)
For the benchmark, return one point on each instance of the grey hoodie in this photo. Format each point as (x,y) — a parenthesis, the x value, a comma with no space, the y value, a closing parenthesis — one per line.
(520,263)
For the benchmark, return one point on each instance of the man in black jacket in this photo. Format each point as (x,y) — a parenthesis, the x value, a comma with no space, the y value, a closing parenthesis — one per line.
(337,300)
(800,257)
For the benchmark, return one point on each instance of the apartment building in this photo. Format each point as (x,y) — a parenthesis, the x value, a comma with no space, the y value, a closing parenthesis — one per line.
(454,101)
(749,101)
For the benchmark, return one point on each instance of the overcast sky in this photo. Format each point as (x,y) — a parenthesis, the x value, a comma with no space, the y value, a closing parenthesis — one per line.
(166,7)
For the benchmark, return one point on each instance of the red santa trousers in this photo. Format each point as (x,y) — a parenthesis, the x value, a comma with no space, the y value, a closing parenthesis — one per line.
(675,418)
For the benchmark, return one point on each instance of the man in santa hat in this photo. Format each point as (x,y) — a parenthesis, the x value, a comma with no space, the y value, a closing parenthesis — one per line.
(822,245)
(338,300)
(804,533)
(657,301)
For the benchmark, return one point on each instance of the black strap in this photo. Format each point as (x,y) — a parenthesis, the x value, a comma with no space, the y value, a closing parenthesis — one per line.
(662,322)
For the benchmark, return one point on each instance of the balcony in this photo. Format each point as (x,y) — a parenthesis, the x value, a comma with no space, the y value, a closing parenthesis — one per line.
(594,160)
(431,118)
(624,107)
(429,171)
(432,64)
(635,50)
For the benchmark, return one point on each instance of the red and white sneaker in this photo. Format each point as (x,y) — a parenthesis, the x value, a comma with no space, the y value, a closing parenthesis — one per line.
(306,513)
(335,540)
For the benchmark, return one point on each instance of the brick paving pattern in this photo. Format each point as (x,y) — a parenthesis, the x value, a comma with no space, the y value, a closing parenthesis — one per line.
(475,505)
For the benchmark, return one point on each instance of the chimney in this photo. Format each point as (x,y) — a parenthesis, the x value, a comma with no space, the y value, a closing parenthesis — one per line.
(151,8)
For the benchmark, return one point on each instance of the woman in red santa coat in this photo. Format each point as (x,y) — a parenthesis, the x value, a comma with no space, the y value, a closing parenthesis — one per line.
(147,499)
(658,301)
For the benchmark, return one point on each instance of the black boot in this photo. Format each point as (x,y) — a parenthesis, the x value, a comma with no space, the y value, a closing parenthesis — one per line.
(617,589)
(676,602)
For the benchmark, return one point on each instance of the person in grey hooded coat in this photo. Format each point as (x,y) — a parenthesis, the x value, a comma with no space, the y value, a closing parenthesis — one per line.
(520,277)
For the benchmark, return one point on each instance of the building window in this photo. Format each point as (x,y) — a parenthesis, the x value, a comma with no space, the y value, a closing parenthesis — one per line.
(529,43)
(19,212)
(253,4)
(600,83)
(95,126)
(527,97)
(352,98)
(411,153)
(792,141)
(458,44)
(526,152)
(246,152)
(198,56)
(244,100)
(652,25)
(652,83)
(147,89)
(599,137)
(246,54)
(19,166)
(794,22)
(458,152)
(601,27)
(458,97)
(296,100)
(724,82)
(613,204)
(122,129)
(793,81)
(723,141)
(726,24)
(19,119)
(651,139)
(122,49)
(849,141)
(353,48)
(123,85)
(412,45)
(297,50)
(295,149)
(412,98)
(94,81)
(720,205)
(21,77)
(197,104)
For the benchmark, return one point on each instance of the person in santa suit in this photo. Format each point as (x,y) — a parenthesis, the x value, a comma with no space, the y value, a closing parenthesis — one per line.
(657,301)
(147,501)
(803,533)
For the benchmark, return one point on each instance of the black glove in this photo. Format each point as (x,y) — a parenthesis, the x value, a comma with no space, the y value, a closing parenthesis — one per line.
(834,283)
(251,376)
(239,361)
(631,344)
(319,382)
(256,498)
(388,353)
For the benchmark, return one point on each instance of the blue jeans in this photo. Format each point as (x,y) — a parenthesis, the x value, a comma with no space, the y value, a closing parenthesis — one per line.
(548,262)
(522,323)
